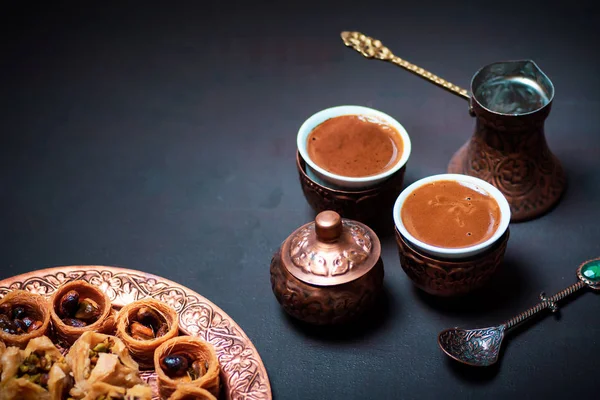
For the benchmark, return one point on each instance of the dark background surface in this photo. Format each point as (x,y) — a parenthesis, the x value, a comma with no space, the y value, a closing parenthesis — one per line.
(163,139)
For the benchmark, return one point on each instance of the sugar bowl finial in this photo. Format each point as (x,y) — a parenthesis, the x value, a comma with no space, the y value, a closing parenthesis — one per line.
(328,226)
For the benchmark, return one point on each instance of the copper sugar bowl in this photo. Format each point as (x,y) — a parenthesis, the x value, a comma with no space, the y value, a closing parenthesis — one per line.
(328,271)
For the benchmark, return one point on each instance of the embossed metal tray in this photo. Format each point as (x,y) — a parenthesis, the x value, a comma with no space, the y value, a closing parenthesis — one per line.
(243,374)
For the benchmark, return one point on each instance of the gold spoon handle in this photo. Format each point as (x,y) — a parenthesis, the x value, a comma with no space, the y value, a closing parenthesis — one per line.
(372,48)
(547,302)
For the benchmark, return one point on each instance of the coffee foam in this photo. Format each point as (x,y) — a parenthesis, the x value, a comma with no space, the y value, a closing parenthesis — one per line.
(450,214)
(354,146)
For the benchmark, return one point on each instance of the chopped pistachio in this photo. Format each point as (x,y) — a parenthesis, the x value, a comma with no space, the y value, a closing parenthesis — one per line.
(32,359)
(34,378)
(101,348)
(88,309)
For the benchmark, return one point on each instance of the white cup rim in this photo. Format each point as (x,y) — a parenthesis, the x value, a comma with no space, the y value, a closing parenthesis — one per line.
(311,123)
(461,252)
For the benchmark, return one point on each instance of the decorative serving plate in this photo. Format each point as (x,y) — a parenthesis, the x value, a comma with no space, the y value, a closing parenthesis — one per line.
(243,374)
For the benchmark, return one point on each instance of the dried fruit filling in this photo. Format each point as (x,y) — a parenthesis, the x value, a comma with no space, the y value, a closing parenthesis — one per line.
(35,368)
(180,366)
(77,312)
(147,325)
(18,319)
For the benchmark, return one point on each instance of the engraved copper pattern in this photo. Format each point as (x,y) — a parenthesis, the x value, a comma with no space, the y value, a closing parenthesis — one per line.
(370,206)
(479,347)
(337,262)
(511,153)
(452,277)
(327,263)
(242,372)
(325,305)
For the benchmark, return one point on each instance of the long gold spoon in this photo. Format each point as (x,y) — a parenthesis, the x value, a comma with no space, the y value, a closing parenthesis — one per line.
(373,48)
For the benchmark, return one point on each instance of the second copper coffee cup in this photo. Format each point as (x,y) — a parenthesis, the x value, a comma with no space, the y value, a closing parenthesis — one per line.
(368,199)
(350,143)
(452,206)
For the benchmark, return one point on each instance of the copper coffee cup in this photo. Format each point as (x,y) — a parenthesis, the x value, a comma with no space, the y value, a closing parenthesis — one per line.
(351,183)
(451,271)
(450,277)
(367,199)
(371,206)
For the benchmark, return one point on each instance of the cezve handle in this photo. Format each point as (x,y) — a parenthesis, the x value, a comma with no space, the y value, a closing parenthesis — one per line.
(373,48)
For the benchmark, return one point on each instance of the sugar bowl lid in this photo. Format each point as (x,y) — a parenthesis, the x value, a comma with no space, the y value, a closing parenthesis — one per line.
(331,250)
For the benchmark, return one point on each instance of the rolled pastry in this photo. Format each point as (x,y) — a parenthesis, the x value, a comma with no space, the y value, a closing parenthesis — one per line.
(143,326)
(100,390)
(79,307)
(23,316)
(189,392)
(96,357)
(186,360)
(38,372)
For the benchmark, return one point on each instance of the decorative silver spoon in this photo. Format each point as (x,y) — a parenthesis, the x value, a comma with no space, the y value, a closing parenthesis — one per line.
(481,347)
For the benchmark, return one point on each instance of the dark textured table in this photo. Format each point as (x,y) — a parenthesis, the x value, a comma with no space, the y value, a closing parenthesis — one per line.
(163,139)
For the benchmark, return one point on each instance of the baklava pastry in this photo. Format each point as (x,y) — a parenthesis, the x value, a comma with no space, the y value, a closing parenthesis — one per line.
(143,326)
(139,392)
(96,357)
(104,391)
(189,392)
(186,360)
(79,307)
(10,360)
(2,350)
(23,316)
(38,372)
